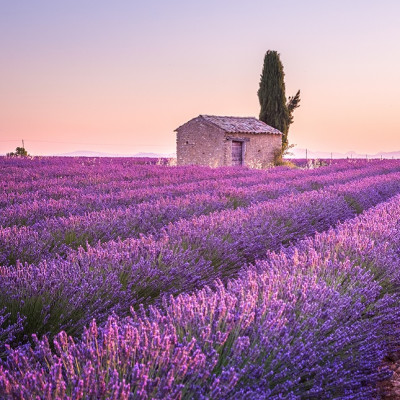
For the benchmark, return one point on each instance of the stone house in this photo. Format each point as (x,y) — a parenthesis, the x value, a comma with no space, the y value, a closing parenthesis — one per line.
(218,141)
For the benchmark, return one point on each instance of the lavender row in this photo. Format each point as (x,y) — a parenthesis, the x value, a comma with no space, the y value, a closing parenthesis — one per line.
(31,170)
(79,202)
(191,176)
(312,322)
(98,172)
(120,181)
(56,236)
(66,294)
(101,176)
(65,201)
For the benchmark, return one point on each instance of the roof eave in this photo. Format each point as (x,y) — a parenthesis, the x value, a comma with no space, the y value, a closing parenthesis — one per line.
(254,133)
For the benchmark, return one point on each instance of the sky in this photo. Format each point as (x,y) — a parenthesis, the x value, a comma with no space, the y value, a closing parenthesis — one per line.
(120,76)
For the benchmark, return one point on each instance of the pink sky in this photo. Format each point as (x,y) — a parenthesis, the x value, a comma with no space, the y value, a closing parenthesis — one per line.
(119,77)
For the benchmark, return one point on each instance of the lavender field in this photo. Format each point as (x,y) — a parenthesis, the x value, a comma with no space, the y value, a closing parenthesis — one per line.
(125,279)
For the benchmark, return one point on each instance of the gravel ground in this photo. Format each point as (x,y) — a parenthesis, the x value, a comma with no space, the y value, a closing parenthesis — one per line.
(390,389)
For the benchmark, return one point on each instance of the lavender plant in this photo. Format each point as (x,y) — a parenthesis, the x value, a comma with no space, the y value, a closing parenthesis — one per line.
(299,325)
(56,236)
(67,294)
(241,303)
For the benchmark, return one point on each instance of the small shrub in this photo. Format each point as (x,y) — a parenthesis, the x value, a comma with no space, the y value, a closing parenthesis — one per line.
(279,155)
(19,152)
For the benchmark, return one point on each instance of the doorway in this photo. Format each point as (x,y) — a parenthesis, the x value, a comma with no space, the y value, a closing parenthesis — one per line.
(237,152)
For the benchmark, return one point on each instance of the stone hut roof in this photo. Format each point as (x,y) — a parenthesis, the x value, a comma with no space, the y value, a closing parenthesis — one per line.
(239,124)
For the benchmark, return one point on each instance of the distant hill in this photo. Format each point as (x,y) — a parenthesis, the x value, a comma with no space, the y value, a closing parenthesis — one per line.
(86,153)
(301,153)
(297,153)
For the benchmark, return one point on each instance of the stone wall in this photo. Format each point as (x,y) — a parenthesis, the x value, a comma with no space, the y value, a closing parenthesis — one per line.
(259,148)
(200,143)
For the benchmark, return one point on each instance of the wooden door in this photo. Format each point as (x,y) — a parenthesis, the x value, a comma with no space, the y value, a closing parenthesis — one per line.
(237,153)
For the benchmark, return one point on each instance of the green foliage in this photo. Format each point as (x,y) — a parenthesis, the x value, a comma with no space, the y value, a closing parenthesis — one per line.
(279,155)
(353,203)
(293,103)
(19,152)
(236,202)
(276,110)
(271,93)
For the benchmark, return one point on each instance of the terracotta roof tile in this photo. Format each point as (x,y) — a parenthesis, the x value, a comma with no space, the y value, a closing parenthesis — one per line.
(237,124)
(241,124)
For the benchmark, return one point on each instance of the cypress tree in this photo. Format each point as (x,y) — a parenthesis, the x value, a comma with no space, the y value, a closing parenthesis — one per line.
(275,110)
